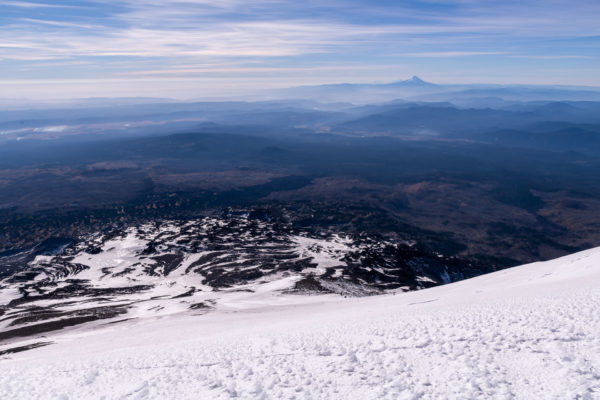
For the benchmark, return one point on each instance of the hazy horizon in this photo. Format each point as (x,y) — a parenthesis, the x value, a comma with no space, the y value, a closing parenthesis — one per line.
(269,94)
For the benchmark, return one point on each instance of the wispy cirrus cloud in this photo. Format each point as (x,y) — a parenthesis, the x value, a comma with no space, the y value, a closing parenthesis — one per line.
(444,54)
(29,4)
(270,39)
(554,57)
(242,39)
(109,39)
(64,24)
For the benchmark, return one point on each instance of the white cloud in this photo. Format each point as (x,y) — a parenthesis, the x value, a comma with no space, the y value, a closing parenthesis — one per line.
(242,39)
(64,24)
(28,4)
(553,57)
(443,54)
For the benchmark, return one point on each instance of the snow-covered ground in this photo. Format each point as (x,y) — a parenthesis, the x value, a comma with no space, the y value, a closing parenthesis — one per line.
(530,332)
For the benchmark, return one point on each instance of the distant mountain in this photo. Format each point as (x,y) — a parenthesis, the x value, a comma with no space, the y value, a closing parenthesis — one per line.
(473,96)
(417,89)
(415,81)
(362,93)
(549,125)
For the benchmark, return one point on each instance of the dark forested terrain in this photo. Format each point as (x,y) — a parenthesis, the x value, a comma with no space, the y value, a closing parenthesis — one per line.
(509,186)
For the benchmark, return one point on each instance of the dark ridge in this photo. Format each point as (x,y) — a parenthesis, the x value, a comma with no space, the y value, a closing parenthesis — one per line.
(19,349)
(60,324)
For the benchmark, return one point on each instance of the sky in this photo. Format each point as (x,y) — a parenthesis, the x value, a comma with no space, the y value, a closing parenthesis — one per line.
(216,48)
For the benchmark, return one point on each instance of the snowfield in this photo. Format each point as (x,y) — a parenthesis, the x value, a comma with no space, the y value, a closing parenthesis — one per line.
(530,332)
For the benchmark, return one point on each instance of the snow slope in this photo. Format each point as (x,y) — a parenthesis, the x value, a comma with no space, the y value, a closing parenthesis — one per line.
(530,332)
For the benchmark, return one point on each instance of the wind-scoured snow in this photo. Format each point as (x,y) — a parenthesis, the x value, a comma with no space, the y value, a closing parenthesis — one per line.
(530,332)
(204,265)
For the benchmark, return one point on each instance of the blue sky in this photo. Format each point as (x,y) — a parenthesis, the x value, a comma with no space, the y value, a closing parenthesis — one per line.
(196,48)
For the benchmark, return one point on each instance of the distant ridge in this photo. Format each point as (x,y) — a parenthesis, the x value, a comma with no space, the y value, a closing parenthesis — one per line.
(415,81)
(417,89)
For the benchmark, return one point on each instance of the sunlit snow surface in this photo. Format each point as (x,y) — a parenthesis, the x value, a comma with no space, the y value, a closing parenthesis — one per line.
(530,332)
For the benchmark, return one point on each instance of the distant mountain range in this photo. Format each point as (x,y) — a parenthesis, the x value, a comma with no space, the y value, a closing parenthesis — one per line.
(416,89)
(340,95)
